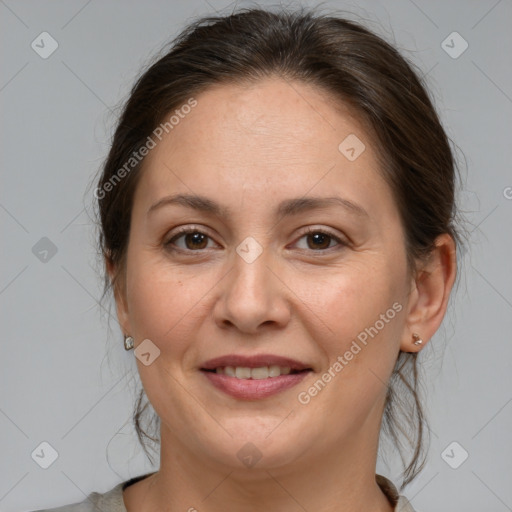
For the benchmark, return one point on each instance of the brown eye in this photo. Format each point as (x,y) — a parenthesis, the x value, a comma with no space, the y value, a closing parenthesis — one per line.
(196,240)
(318,240)
(192,240)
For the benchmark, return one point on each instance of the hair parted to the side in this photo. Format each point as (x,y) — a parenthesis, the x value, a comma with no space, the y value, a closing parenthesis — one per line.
(354,67)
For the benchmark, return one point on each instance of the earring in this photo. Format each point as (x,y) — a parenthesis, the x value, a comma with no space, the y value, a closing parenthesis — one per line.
(416,339)
(128,342)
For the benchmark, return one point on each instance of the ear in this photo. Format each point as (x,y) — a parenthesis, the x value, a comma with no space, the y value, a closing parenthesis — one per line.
(431,288)
(119,289)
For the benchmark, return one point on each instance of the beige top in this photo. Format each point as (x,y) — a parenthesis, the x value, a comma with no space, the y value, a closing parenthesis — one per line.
(112,501)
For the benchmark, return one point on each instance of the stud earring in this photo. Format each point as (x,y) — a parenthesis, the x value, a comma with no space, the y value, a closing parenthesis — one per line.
(416,339)
(128,342)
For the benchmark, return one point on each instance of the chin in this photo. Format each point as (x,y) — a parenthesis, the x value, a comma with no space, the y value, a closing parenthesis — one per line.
(254,447)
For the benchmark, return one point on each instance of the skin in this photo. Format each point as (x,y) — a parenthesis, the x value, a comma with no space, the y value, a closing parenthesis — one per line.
(248,148)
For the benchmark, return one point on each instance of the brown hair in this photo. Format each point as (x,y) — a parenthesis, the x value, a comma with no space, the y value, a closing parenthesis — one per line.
(356,68)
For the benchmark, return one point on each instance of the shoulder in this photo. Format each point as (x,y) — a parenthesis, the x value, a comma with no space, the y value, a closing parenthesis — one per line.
(111,501)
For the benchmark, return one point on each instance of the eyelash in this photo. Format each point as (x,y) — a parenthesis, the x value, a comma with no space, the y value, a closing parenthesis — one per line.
(310,230)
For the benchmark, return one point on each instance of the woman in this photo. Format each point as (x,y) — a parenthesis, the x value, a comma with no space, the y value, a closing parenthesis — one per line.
(277,222)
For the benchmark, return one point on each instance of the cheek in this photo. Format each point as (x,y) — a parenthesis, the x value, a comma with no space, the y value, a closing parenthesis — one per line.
(365,315)
(360,348)
(158,298)
(166,303)
(355,298)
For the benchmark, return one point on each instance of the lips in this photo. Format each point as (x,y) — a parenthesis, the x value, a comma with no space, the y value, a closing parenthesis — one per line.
(254,377)
(257,361)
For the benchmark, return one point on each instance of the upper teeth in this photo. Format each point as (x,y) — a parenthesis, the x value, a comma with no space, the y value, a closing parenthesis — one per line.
(264,372)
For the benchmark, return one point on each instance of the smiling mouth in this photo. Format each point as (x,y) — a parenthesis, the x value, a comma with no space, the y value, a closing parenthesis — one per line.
(245,383)
(260,373)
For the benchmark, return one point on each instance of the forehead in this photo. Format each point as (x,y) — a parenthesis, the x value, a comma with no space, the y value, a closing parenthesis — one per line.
(281,117)
(269,138)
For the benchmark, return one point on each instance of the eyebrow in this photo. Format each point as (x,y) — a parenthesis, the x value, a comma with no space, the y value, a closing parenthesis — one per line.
(287,207)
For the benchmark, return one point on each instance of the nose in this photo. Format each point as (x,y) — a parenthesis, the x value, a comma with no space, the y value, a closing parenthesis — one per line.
(253,297)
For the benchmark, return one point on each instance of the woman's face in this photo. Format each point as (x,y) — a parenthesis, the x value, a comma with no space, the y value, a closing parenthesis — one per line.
(266,162)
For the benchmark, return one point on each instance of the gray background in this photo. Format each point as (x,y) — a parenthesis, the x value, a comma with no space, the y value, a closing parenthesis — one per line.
(66,379)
